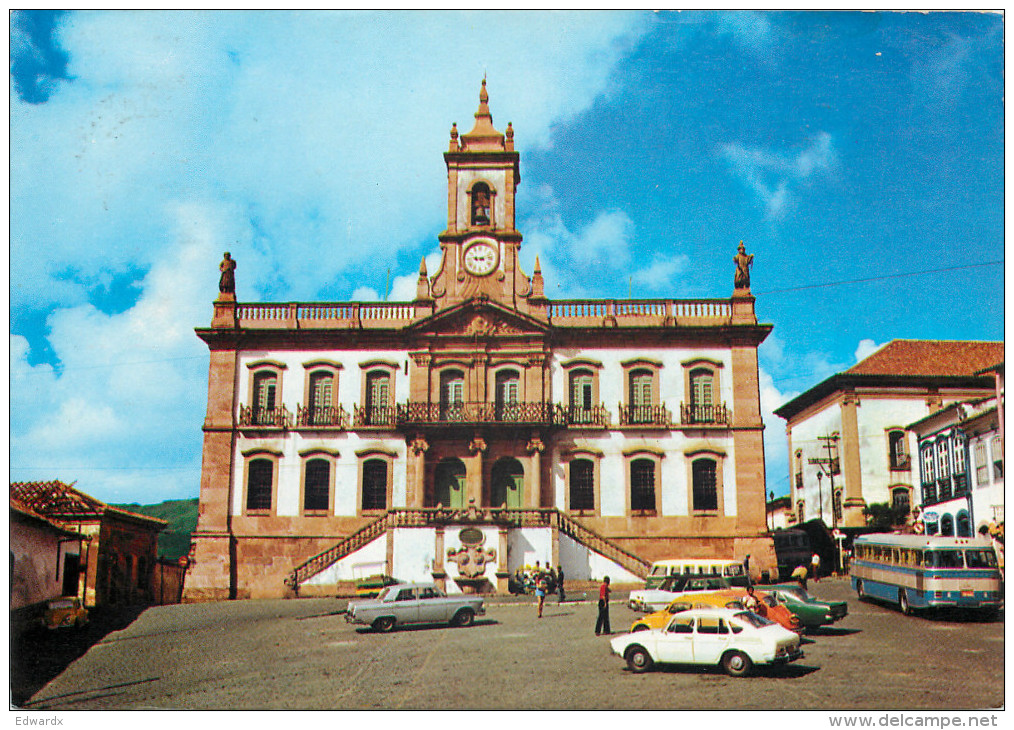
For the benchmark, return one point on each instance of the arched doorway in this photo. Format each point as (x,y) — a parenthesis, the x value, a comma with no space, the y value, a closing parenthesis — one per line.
(508,484)
(449,484)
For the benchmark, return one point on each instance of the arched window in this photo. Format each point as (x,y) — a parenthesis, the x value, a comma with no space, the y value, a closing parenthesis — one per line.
(317,485)
(642,485)
(705,485)
(582,383)
(264,400)
(996,445)
(981,463)
(702,383)
(836,506)
(507,386)
(964,526)
(452,395)
(640,396)
(800,511)
(321,412)
(260,474)
(482,214)
(901,499)
(374,484)
(947,526)
(582,484)
(449,484)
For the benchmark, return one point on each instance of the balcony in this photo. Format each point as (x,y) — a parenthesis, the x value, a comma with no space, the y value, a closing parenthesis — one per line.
(652,416)
(704,414)
(419,413)
(374,417)
(329,417)
(901,462)
(591,417)
(264,417)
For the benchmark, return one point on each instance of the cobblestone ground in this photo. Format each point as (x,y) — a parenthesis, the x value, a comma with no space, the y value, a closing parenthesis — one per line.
(301,654)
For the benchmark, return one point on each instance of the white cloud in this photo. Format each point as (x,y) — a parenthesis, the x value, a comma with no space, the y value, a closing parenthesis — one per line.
(776,176)
(866,348)
(776,456)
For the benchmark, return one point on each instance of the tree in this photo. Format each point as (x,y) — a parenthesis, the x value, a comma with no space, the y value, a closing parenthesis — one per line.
(881,516)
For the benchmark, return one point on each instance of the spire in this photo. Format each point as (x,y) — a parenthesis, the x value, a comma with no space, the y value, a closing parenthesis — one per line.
(454,137)
(422,286)
(422,267)
(538,287)
(483,136)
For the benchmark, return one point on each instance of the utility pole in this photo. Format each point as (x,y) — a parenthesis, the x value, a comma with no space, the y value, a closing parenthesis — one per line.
(827,465)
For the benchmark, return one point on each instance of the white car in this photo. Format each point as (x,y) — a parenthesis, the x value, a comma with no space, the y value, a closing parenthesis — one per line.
(414,603)
(650,600)
(735,639)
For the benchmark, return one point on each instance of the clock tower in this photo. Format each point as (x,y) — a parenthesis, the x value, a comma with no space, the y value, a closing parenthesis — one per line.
(480,244)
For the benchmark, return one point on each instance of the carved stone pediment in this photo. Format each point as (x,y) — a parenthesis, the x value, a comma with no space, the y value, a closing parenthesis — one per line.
(480,318)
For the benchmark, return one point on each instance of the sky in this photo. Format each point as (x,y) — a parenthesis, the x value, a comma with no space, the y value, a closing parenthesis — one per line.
(859,156)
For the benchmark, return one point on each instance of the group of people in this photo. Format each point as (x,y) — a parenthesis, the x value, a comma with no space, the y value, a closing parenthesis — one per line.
(541,581)
(800,574)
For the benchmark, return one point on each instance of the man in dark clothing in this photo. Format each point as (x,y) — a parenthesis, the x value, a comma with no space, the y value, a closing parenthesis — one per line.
(559,583)
(602,624)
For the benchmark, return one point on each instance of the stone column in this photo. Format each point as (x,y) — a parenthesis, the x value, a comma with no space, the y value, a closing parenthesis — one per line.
(533,496)
(502,566)
(416,473)
(474,470)
(853,502)
(439,574)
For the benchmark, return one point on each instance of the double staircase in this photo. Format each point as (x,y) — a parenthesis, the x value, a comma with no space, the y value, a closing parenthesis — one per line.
(442,516)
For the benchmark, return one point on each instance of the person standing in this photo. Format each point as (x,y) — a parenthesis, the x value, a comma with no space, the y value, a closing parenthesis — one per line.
(559,583)
(602,624)
(815,567)
(746,568)
(541,585)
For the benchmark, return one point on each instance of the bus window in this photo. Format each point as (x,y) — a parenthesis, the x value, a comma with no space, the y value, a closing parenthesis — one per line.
(980,558)
(946,559)
(896,556)
(918,558)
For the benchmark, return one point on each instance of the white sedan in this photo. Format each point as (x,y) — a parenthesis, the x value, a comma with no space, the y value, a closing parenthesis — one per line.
(735,639)
(414,603)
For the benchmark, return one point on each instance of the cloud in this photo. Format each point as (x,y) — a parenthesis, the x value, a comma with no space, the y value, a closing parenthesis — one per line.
(776,458)
(867,348)
(775,176)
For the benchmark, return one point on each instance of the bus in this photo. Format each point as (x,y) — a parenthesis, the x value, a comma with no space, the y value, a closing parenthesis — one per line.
(924,571)
(792,548)
(731,570)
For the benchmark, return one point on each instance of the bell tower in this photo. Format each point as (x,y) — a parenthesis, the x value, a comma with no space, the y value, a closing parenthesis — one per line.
(481,242)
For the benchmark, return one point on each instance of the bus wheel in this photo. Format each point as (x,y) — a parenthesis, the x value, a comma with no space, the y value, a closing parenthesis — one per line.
(903,602)
(859,590)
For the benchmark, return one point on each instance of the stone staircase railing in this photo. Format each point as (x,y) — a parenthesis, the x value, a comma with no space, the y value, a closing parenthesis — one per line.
(441,516)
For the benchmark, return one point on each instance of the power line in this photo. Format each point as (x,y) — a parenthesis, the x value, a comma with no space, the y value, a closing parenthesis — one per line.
(881,278)
(60,370)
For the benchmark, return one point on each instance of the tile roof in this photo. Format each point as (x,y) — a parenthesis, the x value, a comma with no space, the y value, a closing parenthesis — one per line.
(930,358)
(60,501)
(20,507)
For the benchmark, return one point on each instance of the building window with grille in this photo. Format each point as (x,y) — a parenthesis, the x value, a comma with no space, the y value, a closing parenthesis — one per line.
(800,511)
(378,398)
(705,485)
(702,383)
(582,394)
(317,485)
(642,485)
(374,494)
(582,485)
(259,484)
(947,526)
(641,382)
(996,444)
(898,455)
(320,406)
(901,500)
(943,460)
(265,393)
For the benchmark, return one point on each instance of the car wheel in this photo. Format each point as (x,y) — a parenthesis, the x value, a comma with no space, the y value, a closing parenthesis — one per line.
(736,663)
(638,659)
(640,627)
(464,617)
(384,624)
(903,602)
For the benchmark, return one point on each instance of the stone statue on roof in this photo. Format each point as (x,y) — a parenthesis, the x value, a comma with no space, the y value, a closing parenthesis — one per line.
(743,262)
(227,281)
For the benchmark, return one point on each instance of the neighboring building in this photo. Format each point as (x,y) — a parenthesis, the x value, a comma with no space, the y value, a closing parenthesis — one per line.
(960,452)
(848,444)
(780,514)
(44,561)
(122,546)
(480,421)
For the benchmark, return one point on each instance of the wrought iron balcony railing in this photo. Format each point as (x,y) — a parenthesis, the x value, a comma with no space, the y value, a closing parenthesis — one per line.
(334,417)
(654,415)
(266,417)
(706,413)
(415,412)
(374,417)
(592,416)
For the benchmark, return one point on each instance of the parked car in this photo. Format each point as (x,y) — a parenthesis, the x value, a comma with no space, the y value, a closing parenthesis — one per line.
(414,603)
(736,640)
(66,612)
(673,587)
(770,608)
(812,612)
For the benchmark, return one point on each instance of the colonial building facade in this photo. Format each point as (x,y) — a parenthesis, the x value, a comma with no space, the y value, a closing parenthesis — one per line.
(849,444)
(480,426)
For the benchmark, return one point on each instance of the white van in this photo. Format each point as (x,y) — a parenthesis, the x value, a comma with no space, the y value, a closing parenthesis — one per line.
(732,570)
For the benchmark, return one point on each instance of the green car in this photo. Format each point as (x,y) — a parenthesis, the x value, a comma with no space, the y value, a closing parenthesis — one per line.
(811,612)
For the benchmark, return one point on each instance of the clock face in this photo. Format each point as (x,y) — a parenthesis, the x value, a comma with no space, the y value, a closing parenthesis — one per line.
(481,258)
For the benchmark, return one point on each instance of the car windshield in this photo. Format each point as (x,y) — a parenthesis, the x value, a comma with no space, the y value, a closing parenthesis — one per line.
(66,603)
(387,593)
(797,593)
(751,619)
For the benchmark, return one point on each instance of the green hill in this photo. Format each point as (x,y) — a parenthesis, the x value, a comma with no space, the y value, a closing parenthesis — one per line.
(181,514)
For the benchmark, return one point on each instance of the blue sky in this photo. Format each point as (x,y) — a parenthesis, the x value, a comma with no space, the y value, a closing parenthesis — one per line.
(850,151)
